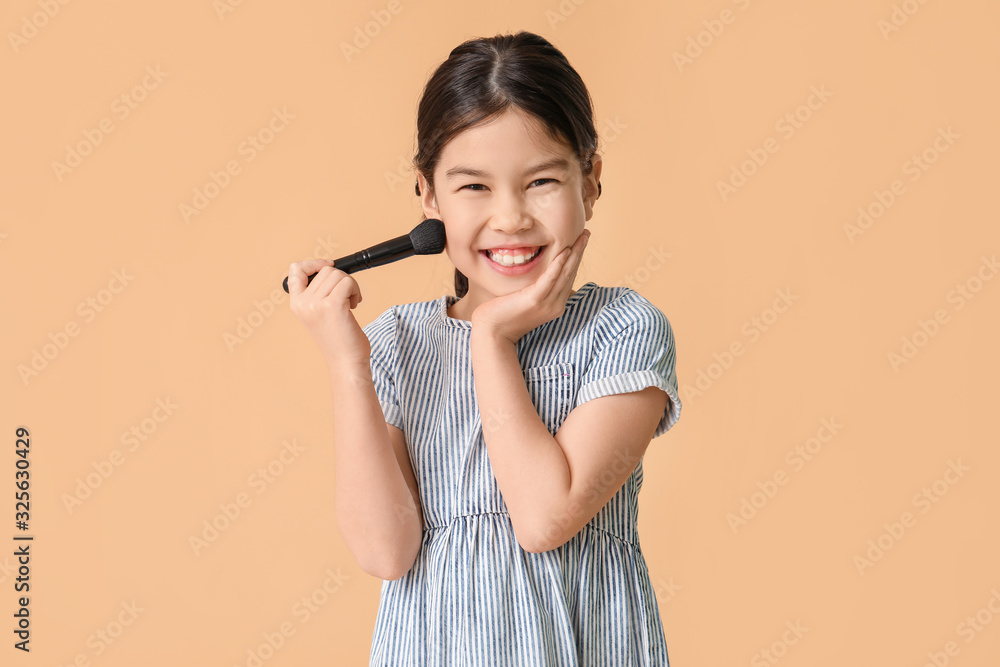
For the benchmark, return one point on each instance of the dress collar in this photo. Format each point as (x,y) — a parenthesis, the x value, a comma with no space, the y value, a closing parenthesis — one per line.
(446,301)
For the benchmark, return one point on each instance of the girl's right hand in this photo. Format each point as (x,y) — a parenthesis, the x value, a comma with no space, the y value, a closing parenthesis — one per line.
(324,307)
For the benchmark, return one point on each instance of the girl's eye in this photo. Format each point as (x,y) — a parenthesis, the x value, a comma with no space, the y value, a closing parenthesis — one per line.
(475,187)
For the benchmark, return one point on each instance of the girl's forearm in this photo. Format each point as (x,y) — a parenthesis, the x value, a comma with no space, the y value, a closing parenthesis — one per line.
(529,464)
(376,513)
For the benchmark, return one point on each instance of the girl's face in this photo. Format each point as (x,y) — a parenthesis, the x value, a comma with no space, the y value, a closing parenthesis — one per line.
(507,184)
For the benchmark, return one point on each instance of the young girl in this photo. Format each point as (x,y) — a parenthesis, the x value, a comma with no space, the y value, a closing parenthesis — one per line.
(489,444)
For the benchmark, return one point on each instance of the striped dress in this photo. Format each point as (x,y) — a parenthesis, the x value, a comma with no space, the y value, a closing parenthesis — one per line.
(474,596)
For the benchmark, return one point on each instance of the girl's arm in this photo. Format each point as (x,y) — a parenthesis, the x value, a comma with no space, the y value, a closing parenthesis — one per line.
(376,499)
(554,485)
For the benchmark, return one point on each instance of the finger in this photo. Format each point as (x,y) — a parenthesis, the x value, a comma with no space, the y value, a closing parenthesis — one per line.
(572,264)
(550,277)
(299,272)
(579,247)
(325,281)
(297,277)
(348,290)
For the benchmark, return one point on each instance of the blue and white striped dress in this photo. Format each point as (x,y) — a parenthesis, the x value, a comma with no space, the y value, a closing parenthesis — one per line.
(474,596)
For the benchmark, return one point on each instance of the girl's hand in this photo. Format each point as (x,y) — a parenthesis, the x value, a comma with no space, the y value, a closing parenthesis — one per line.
(324,307)
(513,315)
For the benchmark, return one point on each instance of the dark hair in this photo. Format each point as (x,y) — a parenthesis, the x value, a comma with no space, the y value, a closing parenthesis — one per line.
(482,78)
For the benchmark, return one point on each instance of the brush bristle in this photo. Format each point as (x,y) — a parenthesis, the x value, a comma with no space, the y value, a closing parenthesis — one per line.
(428,237)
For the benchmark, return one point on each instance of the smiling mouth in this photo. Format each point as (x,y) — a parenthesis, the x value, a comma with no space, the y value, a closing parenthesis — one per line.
(512,259)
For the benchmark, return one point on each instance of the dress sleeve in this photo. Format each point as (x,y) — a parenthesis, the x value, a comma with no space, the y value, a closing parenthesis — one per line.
(633,349)
(381,334)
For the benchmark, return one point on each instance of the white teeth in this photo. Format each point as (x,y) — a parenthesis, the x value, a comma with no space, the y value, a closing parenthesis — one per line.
(510,260)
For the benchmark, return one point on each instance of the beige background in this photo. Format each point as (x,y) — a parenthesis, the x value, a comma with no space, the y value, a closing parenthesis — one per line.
(335,179)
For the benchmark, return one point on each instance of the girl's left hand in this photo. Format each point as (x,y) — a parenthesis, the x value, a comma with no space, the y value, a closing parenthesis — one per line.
(513,315)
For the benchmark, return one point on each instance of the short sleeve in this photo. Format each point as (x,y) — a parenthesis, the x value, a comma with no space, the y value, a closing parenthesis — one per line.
(381,334)
(633,349)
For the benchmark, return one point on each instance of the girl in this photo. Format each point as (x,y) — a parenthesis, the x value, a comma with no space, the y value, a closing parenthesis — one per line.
(489,444)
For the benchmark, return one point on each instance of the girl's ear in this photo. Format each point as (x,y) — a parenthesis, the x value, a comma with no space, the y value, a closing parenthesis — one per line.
(591,186)
(427,198)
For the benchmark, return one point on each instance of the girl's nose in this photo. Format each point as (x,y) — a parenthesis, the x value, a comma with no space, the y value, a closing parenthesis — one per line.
(511,215)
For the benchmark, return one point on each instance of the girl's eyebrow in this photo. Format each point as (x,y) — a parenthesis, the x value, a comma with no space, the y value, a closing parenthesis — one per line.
(554,163)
